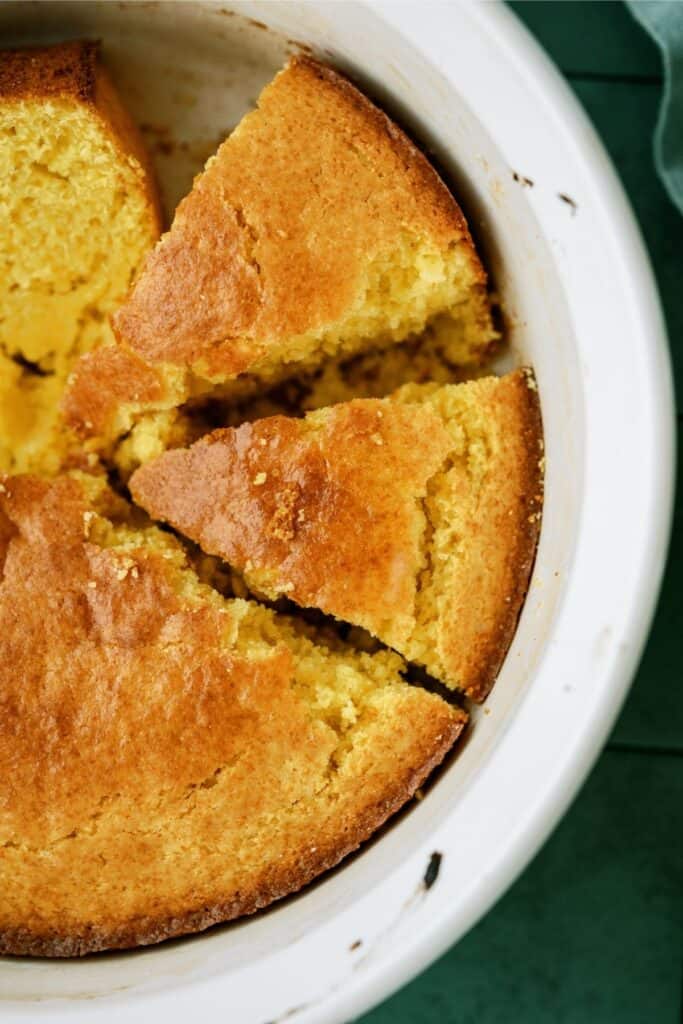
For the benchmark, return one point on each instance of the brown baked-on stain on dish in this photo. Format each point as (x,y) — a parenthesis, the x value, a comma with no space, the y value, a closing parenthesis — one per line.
(522,179)
(171,759)
(433,869)
(571,203)
(317,229)
(415,517)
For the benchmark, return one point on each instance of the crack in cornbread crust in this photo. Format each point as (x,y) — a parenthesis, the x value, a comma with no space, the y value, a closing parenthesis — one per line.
(415,517)
(176,760)
(343,195)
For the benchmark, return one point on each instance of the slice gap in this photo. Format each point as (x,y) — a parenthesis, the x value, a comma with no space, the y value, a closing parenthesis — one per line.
(414,517)
(318,231)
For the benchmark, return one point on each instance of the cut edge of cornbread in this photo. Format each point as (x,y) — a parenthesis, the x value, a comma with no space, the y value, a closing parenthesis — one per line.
(484,510)
(81,214)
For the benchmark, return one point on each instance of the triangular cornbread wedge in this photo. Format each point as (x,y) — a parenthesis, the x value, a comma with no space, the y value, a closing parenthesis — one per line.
(79,214)
(171,759)
(414,517)
(317,230)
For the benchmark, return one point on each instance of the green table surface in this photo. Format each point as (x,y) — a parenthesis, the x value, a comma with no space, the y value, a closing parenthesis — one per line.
(592,933)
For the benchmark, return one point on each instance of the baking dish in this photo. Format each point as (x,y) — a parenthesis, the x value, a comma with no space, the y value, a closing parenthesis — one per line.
(580,305)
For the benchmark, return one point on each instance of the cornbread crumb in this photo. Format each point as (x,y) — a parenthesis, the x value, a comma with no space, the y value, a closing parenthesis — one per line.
(530,380)
(260,479)
(79,215)
(88,517)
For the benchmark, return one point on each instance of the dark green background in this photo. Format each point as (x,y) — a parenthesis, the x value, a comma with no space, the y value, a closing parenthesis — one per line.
(593,931)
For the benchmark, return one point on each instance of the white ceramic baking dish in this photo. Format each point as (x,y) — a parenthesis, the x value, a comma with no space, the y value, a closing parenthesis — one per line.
(581,306)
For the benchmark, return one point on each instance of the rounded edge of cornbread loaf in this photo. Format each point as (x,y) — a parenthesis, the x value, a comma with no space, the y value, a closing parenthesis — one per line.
(525,528)
(286,881)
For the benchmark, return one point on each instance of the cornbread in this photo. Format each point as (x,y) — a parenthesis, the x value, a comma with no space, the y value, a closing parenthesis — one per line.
(171,759)
(317,230)
(79,214)
(175,752)
(415,517)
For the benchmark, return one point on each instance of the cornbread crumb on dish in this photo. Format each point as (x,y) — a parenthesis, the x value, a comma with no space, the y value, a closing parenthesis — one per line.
(316,230)
(79,215)
(415,517)
(171,759)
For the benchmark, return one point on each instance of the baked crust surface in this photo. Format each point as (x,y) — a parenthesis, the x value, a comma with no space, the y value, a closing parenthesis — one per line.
(324,509)
(165,767)
(270,242)
(496,483)
(170,759)
(416,518)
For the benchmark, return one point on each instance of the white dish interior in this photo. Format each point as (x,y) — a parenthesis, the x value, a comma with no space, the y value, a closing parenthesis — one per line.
(581,309)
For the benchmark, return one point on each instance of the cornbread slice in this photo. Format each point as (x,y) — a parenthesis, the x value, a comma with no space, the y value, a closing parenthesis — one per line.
(171,759)
(316,230)
(415,517)
(79,213)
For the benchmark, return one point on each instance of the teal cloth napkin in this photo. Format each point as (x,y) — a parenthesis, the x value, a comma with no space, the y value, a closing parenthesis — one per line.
(663,19)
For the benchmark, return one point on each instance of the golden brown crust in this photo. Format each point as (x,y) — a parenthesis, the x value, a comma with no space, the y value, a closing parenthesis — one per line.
(286,877)
(132,730)
(63,71)
(103,380)
(260,252)
(425,182)
(326,509)
(132,722)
